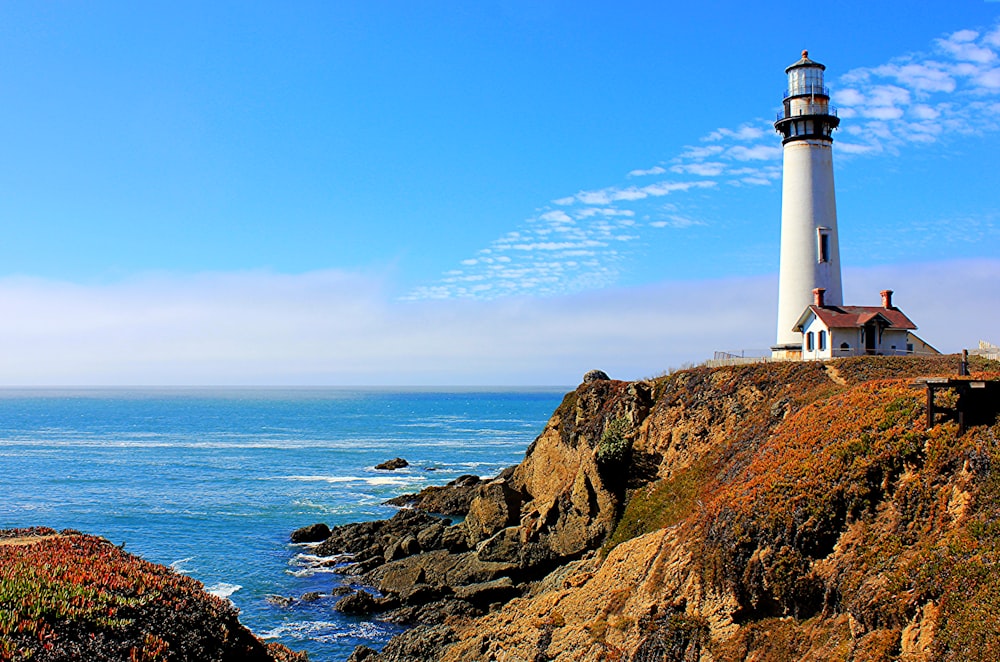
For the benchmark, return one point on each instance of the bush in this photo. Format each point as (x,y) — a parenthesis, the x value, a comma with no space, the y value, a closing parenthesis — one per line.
(615,445)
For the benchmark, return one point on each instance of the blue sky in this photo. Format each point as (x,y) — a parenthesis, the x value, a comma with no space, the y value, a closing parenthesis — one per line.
(435,193)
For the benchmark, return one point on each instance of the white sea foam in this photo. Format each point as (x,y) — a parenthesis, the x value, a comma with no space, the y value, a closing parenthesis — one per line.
(178,565)
(404,479)
(327,631)
(222,589)
(308,565)
(326,479)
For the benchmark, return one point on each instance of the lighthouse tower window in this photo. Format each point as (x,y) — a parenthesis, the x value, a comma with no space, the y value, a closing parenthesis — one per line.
(824,245)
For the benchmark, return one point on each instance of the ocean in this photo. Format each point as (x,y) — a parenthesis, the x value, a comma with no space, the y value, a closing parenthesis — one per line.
(212,481)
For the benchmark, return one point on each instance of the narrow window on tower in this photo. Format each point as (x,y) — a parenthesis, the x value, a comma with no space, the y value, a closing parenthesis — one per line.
(824,244)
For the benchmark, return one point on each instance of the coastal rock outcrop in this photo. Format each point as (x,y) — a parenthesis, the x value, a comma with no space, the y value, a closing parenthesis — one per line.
(764,512)
(594,376)
(451,499)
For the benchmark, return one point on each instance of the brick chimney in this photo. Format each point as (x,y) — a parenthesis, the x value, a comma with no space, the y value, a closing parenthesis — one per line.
(886,298)
(818,295)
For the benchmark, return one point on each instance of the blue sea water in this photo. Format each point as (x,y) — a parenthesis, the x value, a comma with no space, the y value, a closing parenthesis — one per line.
(212,481)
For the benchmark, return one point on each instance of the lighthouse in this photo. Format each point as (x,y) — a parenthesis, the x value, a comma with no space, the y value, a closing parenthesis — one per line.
(810,252)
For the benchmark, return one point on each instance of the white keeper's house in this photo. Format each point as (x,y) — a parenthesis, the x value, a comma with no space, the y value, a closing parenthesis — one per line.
(829,331)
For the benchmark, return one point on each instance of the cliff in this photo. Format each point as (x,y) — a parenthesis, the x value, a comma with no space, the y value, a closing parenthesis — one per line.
(69,596)
(766,512)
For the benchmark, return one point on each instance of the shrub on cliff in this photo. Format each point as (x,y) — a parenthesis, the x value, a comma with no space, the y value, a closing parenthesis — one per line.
(75,597)
(613,449)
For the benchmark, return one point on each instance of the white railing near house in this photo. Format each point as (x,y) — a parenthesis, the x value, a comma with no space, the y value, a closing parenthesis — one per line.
(749,356)
(739,357)
(987,350)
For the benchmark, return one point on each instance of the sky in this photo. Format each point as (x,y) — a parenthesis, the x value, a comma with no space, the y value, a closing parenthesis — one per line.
(491,193)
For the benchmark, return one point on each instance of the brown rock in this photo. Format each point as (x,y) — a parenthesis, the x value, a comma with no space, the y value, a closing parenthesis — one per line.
(368,538)
(393,464)
(420,643)
(312,533)
(496,506)
(595,376)
(485,593)
(437,568)
(363,654)
(359,603)
(451,499)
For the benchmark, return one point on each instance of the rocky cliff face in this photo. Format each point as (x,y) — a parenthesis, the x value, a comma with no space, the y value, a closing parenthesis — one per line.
(770,512)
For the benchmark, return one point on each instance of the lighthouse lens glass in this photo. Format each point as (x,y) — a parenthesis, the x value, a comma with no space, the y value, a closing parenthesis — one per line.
(805,80)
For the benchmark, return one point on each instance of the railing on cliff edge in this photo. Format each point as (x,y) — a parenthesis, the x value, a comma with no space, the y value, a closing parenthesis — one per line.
(751,356)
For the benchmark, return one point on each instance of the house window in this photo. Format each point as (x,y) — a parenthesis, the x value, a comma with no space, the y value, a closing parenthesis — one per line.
(809,341)
(822,340)
(824,245)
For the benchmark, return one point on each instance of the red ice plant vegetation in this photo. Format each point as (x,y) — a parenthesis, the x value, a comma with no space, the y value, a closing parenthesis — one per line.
(71,596)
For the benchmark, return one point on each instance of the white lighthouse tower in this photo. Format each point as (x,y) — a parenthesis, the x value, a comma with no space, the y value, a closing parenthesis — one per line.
(810,252)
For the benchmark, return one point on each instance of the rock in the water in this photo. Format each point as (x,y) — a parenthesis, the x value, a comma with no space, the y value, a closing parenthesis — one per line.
(312,533)
(360,567)
(359,603)
(595,376)
(365,539)
(393,464)
(311,596)
(451,499)
(280,600)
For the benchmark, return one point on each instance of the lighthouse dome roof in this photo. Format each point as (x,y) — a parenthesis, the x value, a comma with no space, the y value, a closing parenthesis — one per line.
(805,62)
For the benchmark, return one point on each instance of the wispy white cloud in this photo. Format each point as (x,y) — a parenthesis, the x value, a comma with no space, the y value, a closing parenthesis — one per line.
(709,169)
(923,97)
(655,170)
(919,98)
(675,221)
(343,328)
(746,133)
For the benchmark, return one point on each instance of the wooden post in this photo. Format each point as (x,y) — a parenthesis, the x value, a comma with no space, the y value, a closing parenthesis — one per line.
(930,406)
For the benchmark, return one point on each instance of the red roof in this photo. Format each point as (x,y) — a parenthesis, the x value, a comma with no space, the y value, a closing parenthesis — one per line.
(850,317)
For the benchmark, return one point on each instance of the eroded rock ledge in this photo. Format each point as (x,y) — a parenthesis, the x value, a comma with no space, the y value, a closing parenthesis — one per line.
(765,512)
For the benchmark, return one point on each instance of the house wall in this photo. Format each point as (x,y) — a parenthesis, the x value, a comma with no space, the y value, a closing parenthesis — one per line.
(814,326)
(852,337)
(894,342)
(920,346)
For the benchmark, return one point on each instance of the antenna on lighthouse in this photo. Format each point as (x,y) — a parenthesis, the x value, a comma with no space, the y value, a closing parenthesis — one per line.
(810,249)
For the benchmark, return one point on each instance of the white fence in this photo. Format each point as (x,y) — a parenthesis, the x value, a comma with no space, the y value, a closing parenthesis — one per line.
(987,350)
(739,357)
